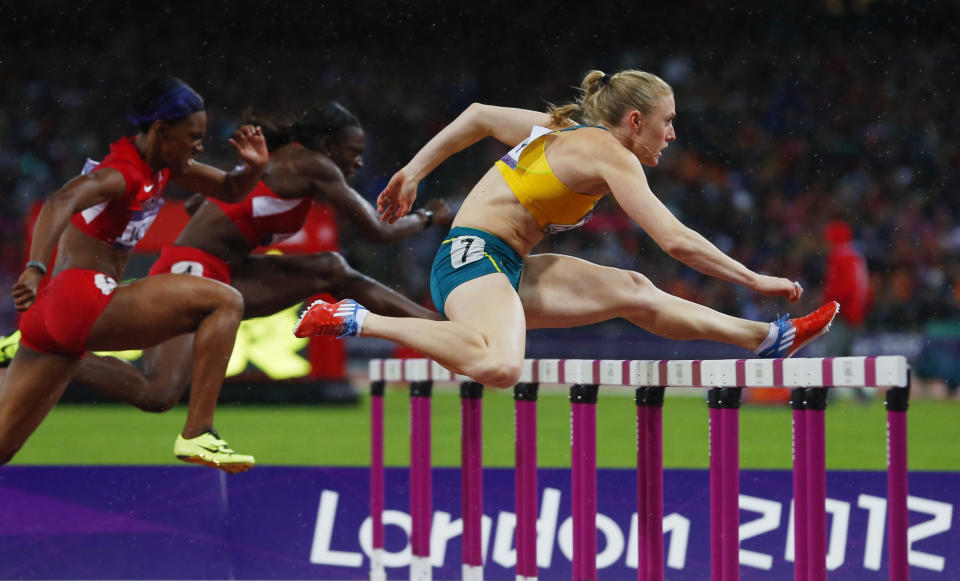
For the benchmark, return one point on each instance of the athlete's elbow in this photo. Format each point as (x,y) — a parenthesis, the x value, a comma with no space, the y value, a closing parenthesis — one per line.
(682,243)
(475,109)
(678,247)
(477,115)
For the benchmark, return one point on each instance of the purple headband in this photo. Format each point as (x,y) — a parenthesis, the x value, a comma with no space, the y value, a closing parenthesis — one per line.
(178,102)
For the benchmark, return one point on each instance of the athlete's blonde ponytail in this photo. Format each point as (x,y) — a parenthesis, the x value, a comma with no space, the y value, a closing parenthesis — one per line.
(605,98)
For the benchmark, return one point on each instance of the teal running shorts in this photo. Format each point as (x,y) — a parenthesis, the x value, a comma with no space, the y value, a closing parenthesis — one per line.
(469,253)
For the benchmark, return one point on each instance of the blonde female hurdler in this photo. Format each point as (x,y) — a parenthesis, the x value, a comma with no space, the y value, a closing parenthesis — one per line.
(492,289)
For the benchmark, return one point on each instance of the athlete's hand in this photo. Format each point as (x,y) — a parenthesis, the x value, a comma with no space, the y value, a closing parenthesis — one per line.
(250,145)
(25,289)
(395,201)
(779,287)
(442,214)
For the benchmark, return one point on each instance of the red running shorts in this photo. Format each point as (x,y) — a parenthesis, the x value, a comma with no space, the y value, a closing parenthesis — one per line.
(65,310)
(189,260)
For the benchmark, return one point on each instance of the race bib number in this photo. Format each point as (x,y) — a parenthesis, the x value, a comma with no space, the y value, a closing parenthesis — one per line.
(140,221)
(106,284)
(187,267)
(466,249)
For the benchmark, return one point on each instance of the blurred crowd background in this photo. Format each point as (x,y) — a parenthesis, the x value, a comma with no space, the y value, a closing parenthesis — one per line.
(790,116)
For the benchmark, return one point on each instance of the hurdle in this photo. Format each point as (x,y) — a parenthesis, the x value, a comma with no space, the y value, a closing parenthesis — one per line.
(809,379)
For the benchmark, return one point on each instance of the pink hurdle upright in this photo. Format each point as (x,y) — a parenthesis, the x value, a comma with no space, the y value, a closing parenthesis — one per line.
(377,566)
(809,379)
(525,478)
(421,489)
(471,471)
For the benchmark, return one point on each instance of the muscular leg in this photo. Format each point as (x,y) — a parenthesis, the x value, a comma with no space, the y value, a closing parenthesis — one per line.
(158,308)
(269,284)
(485,337)
(34,382)
(165,376)
(272,283)
(564,291)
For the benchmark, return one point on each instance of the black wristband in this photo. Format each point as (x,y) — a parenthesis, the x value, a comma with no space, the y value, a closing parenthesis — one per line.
(428,214)
(38,265)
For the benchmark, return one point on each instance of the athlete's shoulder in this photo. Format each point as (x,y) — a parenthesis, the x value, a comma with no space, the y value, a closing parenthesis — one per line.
(589,131)
(124,158)
(591,140)
(318,167)
(295,171)
(600,153)
(108,180)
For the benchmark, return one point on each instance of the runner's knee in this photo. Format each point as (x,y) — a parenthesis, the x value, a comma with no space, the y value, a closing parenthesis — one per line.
(228,299)
(154,405)
(159,396)
(497,373)
(333,267)
(637,281)
(641,294)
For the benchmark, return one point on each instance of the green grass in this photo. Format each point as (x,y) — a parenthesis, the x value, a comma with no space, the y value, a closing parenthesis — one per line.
(339,436)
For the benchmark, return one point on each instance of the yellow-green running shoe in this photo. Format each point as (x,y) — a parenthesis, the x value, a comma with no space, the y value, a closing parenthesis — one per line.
(208,449)
(8,347)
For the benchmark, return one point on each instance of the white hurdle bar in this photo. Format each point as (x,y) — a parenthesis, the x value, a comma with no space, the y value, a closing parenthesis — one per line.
(881,371)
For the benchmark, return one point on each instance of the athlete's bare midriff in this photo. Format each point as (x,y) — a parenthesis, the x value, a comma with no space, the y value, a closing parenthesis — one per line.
(211,231)
(79,250)
(492,207)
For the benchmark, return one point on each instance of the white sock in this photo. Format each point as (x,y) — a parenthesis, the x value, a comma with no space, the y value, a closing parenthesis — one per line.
(770,340)
(361,317)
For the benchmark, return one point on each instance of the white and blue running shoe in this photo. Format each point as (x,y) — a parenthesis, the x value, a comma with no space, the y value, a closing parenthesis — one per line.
(321,318)
(794,334)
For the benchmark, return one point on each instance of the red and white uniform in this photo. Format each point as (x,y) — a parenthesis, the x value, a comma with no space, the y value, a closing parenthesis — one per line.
(65,310)
(264,218)
(123,221)
(189,260)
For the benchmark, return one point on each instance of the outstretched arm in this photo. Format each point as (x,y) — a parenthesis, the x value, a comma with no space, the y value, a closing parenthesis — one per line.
(234,185)
(331,186)
(507,125)
(624,175)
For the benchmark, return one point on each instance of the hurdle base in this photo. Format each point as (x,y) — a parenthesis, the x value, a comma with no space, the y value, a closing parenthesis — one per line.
(378,571)
(420,569)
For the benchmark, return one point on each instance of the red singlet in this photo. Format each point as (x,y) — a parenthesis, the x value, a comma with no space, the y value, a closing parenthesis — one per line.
(264,218)
(123,221)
